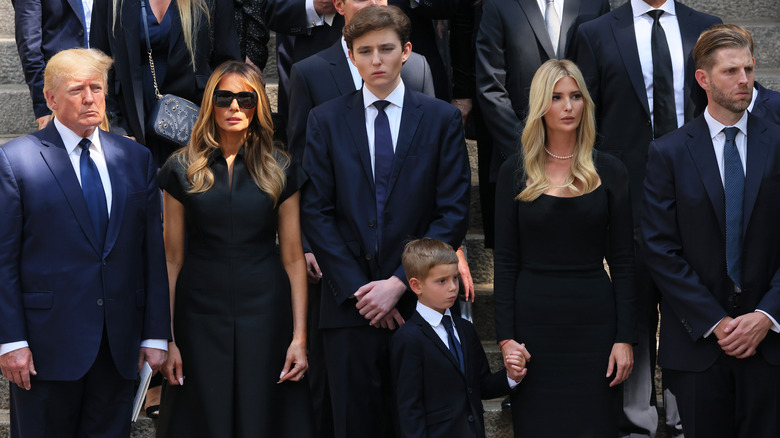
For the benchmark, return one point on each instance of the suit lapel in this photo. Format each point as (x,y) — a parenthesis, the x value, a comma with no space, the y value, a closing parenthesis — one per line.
(701,149)
(625,36)
(410,120)
(339,68)
(78,8)
(433,337)
(690,34)
(116,171)
(536,20)
(571,9)
(355,120)
(58,161)
(757,151)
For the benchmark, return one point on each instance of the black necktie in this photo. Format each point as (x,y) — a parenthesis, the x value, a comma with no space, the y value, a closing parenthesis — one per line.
(454,345)
(383,161)
(94,194)
(664,112)
(734,185)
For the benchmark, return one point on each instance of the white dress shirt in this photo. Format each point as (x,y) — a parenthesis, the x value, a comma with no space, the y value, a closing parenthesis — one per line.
(643,26)
(393,111)
(313,19)
(71,141)
(356,79)
(433,317)
(718,141)
(87,6)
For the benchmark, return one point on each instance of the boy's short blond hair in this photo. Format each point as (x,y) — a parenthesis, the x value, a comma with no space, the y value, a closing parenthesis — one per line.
(422,255)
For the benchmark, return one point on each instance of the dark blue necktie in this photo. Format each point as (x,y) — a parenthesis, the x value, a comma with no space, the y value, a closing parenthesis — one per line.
(734,184)
(94,194)
(383,161)
(453,342)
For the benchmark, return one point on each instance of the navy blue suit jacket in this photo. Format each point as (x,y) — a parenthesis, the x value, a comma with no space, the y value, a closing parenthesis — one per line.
(683,225)
(606,52)
(428,196)
(767,104)
(325,76)
(58,289)
(43,28)
(434,397)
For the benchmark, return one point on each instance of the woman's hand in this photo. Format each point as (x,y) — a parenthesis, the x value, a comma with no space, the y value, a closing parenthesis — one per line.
(622,360)
(509,347)
(296,363)
(465,276)
(172,368)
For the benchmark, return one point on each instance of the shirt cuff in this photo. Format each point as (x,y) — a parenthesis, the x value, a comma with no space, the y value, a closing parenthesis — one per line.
(775,327)
(709,332)
(11,346)
(159,344)
(312,17)
(512,383)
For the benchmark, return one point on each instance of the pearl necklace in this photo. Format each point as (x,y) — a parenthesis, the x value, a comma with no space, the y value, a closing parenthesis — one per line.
(560,157)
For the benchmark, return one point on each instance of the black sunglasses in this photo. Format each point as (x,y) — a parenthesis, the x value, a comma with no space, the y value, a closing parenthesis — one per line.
(224,98)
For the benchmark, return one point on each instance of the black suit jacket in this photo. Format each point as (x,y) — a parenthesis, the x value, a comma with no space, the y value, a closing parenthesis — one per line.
(325,76)
(433,396)
(512,43)
(43,28)
(125,103)
(767,104)
(683,225)
(607,53)
(428,196)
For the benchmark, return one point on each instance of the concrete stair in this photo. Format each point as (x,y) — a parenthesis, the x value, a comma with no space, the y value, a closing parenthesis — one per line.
(761,17)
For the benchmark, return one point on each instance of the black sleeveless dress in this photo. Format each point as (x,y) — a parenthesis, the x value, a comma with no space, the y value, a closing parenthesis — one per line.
(233,316)
(553,294)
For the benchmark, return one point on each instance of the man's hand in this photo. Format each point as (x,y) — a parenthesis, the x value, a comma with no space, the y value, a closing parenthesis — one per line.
(464,105)
(392,320)
(465,276)
(378,298)
(621,360)
(324,7)
(17,366)
(154,356)
(719,330)
(313,272)
(43,121)
(172,369)
(744,333)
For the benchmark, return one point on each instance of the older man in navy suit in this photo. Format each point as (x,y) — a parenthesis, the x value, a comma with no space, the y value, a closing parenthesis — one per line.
(386,164)
(43,28)
(710,215)
(83,288)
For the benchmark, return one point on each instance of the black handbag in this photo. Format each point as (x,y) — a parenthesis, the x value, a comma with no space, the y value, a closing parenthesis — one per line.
(172,117)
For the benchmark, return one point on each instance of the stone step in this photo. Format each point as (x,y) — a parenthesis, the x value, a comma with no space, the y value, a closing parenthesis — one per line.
(480,258)
(498,422)
(10,68)
(769,78)
(6,18)
(16,111)
(143,428)
(482,312)
(3,393)
(766,34)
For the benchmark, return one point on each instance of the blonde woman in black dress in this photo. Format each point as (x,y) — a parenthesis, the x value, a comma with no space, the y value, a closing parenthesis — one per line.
(560,209)
(239,304)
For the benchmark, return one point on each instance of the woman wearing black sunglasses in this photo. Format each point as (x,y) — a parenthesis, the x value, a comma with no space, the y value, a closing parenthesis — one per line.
(239,305)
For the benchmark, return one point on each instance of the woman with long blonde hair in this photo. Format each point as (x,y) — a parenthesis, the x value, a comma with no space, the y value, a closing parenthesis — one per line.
(238,305)
(188,39)
(561,208)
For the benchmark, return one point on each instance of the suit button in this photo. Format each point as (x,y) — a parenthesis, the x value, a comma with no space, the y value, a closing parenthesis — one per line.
(468,390)
(471,418)
(371,224)
(105,263)
(368,256)
(99,302)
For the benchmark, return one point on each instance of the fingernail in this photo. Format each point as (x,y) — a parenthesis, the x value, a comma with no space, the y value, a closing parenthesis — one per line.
(282,374)
(181,380)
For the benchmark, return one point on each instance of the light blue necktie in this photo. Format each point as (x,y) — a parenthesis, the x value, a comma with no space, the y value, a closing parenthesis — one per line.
(734,183)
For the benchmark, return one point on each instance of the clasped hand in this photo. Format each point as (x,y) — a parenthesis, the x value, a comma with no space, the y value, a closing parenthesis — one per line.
(377,300)
(739,337)
(516,356)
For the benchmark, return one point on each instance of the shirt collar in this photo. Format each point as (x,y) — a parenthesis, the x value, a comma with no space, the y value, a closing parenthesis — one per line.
(716,127)
(71,140)
(432,317)
(396,97)
(639,7)
(753,99)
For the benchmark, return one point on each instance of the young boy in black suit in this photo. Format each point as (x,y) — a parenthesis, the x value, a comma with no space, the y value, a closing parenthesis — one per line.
(440,371)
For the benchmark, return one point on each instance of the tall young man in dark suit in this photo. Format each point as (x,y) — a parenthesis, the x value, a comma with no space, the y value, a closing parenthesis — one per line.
(710,215)
(616,55)
(385,164)
(43,28)
(83,287)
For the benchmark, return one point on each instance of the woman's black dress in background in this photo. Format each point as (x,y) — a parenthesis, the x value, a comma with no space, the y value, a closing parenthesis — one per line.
(233,317)
(553,294)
